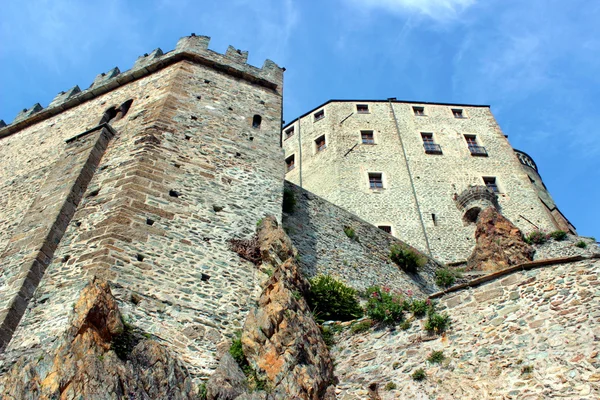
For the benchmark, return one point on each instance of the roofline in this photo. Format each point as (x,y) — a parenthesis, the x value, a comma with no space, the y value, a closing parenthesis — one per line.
(393,100)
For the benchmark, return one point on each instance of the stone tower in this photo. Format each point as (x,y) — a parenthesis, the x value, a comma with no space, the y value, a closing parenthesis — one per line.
(141,179)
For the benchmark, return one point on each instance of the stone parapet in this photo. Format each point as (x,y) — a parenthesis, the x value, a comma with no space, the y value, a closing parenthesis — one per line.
(193,48)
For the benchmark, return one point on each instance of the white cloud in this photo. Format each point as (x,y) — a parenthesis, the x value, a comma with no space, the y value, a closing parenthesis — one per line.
(436,9)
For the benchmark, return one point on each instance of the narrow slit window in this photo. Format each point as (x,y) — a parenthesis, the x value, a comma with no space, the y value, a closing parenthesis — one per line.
(108,116)
(256,121)
(320,143)
(123,109)
(290,163)
(362,108)
(367,137)
(375,180)
(319,115)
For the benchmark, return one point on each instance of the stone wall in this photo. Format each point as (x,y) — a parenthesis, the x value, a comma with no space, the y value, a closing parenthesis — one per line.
(529,335)
(316,228)
(339,173)
(185,173)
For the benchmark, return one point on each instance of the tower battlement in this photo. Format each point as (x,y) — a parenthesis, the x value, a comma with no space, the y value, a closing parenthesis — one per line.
(193,48)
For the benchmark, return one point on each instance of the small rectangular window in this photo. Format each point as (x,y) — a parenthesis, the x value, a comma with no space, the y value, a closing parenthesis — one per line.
(367,137)
(385,228)
(362,108)
(319,115)
(430,146)
(290,163)
(474,147)
(419,111)
(289,132)
(320,143)
(375,180)
(491,184)
(458,113)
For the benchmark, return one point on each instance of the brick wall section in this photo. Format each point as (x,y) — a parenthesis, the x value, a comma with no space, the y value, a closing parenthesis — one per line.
(185,173)
(316,228)
(341,176)
(546,318)
(32,246)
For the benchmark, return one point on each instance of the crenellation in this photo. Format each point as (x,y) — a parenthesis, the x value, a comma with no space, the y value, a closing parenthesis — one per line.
(236,55)
(64,96)
(28,112)
(146,59)
(104,77)
(191,47)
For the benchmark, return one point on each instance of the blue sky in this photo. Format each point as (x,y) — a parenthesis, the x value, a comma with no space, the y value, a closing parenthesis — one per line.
(536,62)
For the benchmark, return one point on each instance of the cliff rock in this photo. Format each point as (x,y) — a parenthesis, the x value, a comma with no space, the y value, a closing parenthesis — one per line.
(84,364)
(499,243)
(280,338)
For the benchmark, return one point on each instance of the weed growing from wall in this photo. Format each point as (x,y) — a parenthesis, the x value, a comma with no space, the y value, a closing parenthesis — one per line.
(406,258)
(331,299)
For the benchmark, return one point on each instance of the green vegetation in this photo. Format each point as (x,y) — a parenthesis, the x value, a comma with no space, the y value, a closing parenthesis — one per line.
(124,342)
(437,323)
(446,277)
(581,244)
(419,375)
(349,231)
(361,327)
(390,386)
(296,295)
(419,308)
(331,299)
(558,235)
(406,258)
(536,237)
(436,357)
(384,306)
(327,334)
(289,201)
(202,392)
(236,351)
(405,325)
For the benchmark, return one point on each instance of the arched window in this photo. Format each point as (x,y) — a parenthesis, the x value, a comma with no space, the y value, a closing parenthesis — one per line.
(256,121)
(108,116)
(123,109)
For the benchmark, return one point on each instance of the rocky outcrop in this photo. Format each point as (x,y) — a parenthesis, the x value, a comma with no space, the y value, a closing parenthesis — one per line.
(84,365)
(499,243)
(280,339)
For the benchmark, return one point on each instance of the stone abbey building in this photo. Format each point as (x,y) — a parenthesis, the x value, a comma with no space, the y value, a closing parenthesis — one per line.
(142,229)
(420,171)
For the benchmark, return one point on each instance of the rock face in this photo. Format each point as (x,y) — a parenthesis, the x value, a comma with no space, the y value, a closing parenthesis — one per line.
(84,365)
(499,243)
(280,338)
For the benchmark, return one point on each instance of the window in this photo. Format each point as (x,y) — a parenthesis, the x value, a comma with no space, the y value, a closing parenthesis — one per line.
(367,137)
(319,115)
(256,121)
(419,111)
(289,132)
(385,228)
(362,108)
(474,148)
(320,143)
(375,180)
(491,184)
(458,113)
(429,144)
(290,163)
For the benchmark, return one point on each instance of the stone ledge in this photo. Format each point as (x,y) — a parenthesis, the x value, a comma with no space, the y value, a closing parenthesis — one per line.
(519,267)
